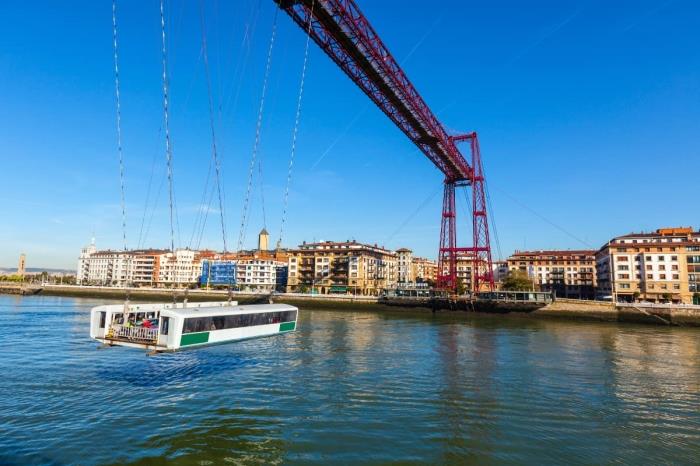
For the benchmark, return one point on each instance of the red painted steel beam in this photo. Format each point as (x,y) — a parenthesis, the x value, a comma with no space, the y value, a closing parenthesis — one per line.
(342,31)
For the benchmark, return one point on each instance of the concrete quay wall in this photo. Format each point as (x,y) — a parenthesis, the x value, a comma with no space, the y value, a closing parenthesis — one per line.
(571,309)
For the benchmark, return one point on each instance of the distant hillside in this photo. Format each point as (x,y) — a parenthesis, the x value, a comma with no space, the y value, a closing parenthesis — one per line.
(11,270)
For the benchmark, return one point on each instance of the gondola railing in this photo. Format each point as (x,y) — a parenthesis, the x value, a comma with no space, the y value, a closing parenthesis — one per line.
(120,332)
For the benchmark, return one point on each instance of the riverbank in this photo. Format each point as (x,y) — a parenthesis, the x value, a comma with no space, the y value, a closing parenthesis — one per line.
(569,309)
(19,288)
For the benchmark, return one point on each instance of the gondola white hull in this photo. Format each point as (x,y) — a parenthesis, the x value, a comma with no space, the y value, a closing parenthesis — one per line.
(173,327)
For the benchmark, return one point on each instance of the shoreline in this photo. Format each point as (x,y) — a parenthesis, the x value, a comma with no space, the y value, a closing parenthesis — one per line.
(567,309)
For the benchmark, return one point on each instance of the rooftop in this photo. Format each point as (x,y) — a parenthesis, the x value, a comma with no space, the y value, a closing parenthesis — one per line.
(553,252)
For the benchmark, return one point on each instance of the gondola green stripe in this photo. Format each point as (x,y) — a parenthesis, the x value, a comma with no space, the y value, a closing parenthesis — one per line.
(194,338)
(287,326)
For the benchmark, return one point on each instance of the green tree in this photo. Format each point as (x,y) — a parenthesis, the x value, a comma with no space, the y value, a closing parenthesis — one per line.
(517,280)
(667,296)
(461,289)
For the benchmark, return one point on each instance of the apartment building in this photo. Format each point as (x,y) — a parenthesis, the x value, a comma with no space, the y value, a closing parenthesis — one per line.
(500,270)
(569,274)
(663,266)
(218,273)
(424,270)
(149,267)
(260,274)
(404,266)
(178,269)
(342,267)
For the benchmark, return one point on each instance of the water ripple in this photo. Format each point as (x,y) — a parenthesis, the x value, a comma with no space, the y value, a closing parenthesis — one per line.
(350,387)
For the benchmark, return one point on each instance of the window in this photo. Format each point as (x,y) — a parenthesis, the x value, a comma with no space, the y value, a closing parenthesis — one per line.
(649,267)
(662,258)
(623,258)
(103,318)
(205,324)
(624,276)
(662,267)
(623,267)
(676,276)
(164,325)
(624,286)
(676,286)
(648,258)
(662,276)
(674,267)
(674,258)
(650,276)
(664,286)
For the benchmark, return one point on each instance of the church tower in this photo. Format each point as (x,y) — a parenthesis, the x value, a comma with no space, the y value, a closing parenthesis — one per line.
(263,240)
(22,266)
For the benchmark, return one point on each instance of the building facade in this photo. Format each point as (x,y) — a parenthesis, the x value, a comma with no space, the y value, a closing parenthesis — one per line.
(218,273)
(424,270)
(260,274)
(569,274)
(105,268)
(341,267)
(663,266)
(404,266)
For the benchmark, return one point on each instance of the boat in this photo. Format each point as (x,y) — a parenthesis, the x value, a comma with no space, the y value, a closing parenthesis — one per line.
(176,326)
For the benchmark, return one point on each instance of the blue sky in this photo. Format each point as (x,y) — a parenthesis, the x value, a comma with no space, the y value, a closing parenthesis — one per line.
(588,114)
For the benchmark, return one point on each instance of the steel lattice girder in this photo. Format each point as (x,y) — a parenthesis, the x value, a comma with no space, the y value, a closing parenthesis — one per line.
(341,30)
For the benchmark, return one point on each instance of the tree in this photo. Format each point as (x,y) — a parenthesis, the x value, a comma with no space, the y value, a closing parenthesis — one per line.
(461,289)
(517,280)
(667,296)
(636,295)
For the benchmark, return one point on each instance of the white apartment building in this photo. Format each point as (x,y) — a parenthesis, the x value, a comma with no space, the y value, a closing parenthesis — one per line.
(258,274)
(107,268)
(404,265)
(137,268)
(182,267)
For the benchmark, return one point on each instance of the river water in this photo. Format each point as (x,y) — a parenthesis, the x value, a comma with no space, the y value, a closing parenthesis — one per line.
(350,387)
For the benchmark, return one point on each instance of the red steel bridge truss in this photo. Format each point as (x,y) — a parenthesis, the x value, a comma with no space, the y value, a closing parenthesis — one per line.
(343,32)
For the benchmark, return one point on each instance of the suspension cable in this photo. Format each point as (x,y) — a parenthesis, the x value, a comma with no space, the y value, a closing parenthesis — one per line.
(217,167)
(258,126)
(297,119)
(492,222)
(168,147)
(119,119)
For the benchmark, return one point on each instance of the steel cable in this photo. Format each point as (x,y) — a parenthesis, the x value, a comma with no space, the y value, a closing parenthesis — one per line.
(297,119)
(258,127)
(119,120)
(168,147)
